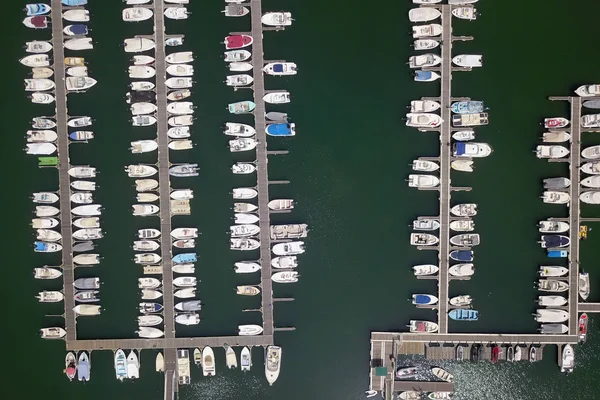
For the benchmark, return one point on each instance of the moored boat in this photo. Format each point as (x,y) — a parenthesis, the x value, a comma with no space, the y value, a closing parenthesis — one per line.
(550,315)
(424,299)
(461,270)
(423,120)
(549,270)
(237,41)
(462,226)
(468,60)
(424,31)
(426,224)
(584,285)
(423,239)
(442,374)
(52,333)
(552,285)
(551,226)
(423,326)
(553,197)
(459,314)
(583,325)
(551,301)
(425,269)
(555,137)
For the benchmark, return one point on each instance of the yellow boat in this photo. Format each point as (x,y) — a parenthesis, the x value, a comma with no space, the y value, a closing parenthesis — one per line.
(583,231)
(74,61)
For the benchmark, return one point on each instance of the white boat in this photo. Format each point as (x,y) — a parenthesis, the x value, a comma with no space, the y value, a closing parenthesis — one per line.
(77,71)
(423,14)
(240,130)
(471,150)
(592,168)
(179,132)
(181,57)
(555,137)
(424,60)
(147,258)
(144,209)
(423,239)
(185,282)
(425,166)
(591,153)
(278,97)
(147,283)
(243,244)
(142,60)
(174,41)
(42,123)
(184,268)
(424,31)
(246,267)
(42,98)
(243,168)
(34,85)
(461,270)
(550,226)
(38,47)
(186,293)
(79,83)
(584,285)
(551,301)
(180,144)
(592,197)
(176,13)
(272,363)
(48,235)
(142,108)
(235,11)
(249,330)
(181,120)
(468,13)
(144,185)
(46,211)
(88,234)
(135,14)
(77,15)
(182,194)
(423,181)
(52,333)
(133,366)
(149,320)
(188,319)
(208,362)
(240,67)
(544,151)
(425,44)
(464,210)
(242,218)
(44,223)
(280,68)
(79,44)
(180,70)
(245,359)
(442,374)
(285,277)
(461,2)
(468,60)
(79,122)
(285,262)
(463,136)
(138,45)
(426,224)
(87,310)
(82,172)
(81,198)
(237,55)
(180,108)
(36,60)
(50,296)
(548,270)
(568,359)
(46,273)
(289,248)
(552,285)
(140,171)
(141,86)
(149,333)
(588,91)
(239,80)
(424,106)
(244,193)
(151,294)
(147,197)
(87,259)
(179,83)
(552,197)
(422,326)
(145,245)
(461,301)
(423,120)
(184,233)
(242,144)
(244,207)
(141,71)
(277,19)
(45,197)
(143,146)
(549,315)
(426,1)
(41,72)
(90,210)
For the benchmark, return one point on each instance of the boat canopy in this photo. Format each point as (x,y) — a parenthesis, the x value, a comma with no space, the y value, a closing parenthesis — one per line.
(461,148)
(79,29)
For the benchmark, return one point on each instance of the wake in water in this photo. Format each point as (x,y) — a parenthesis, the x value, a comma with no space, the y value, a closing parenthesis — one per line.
(225,388)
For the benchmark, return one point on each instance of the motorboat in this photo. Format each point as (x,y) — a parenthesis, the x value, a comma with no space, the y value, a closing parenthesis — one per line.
(424,299)
(188,319)
(145,245)
(285,277)
(87,259)
(136,14)
(81,135)
(141,72)
(184,233)
(276,116)
(591,153)
(77,15)
(407,395)
(70,365)
(425,269)
(406,373)
(555,122)
(52,333)
(184,258)
(148,283)
(272,363)
(138,45)
(553,197)
(553,329)
(556,183)
(280,68)
(244,207)
(238,41)
(36,60)
(423,239)
(75,30)
(34,85)
(240,130)
(179,83)
(180,108)
(464,210)
(245,359)
(241,218)
(282,129)
(246,267)
(249,330)
(461,270)
(37,9)
(44,197)
(590,197)
(149,332)
(463,136)
(237,55)
(243,144)
(41,72)
(74,3)
(461,301)
(235,11)
(549,271)
(87,310)
(144,209)
(176,13)
(591,182)
(142,60)
(459,353)
(552,285)
(174,41)
(288,248)
(133,365)
(426,224)
(149,320)
(181,144)
(185,281)
(140,170)
(557,253)
(183,170)
(180,70)
(88,234)
(462,165)
(465,240)
(239,80)
(182,194)
(81,198)
(42,123)
(550,315)
(187,268)
(50,296)
(120,365)
(79,83)
(442,374)
(150,308)
(247,290)
(79,122)
(243,244)
(148,233)
(208,362)
(74,61)
(87,296)
(468,13)
(459,314)
(285,262)
(424,106)
(590,121)
(242,67)
(545,151)
(37,22)
(179,132)
(592,104)
(568,359)
(38,46)
(467,107)
(191,305)
(551,301)
(243,168)
(149,258)
(476,119)
(187,293)
(584,285)
(423,120)
(462,226)
(588,91)
(241,107)
(230,358)
(423,326)
(281,204)
(554,241)
(46,211)
(555,137)
(141,86)
(583,325)
(44,223)
(425,166)
(439,395)
(468,60)
(425,31)
(42,98)
(425,44)
(46,247)
(277,19)
(423,181)
(244,193)
(424,61)
(143,146)
(87,283)
(40,148)
(278,97)
(79,44)
(423,14)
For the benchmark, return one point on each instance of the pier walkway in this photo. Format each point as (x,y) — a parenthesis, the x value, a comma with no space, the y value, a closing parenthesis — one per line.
(589,307)
(456,338)
(63,167)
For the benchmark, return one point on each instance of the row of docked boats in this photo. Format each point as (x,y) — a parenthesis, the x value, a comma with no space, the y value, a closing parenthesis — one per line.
(411,373)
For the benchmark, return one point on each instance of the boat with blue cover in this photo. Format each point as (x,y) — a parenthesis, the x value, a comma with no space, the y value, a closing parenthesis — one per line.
(74,3)
(37,9)
(45,247)
(426,76)
(149,308)
(462,255)
(83,367)
(459,314)
(424,299)
(558,253)
(281,129)
(553,241)
(185,258)
(467,107)
(78,29)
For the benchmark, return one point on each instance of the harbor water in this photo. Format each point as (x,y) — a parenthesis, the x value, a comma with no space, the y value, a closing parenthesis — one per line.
(347,166)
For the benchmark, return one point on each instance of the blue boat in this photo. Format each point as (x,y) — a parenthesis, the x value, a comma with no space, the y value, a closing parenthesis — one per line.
(40,247)
(185,258)
(464,315)
(74,2)
(37,9)
(426,76)
(462,255)
(83,367)
(281,129)
(467,107)
(78,29)
(424,299)
(557,253)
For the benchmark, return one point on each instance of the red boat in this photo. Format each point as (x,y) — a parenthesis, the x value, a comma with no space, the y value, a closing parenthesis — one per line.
(238,41)
(583,323)
(557,122)
(495,353)
(39,22)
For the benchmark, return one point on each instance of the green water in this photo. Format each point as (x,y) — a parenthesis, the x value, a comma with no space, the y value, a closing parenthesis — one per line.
(347,166)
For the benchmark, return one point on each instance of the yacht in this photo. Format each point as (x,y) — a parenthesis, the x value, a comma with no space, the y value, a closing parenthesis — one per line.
(468,60)
(555,122)
(423,14)
(553,197)
(588,91)
(426,224)
(277,19)
(273,363)
(424,61)
(425,31)
(425,269)
(423,181)
(471,150)
(551,151)
(423,120)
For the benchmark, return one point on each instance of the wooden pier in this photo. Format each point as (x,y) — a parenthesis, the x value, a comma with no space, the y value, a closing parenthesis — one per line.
(64,188)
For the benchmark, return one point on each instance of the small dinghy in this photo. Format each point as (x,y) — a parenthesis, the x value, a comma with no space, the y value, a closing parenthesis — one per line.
(464,210)
(286,262)
(552,285)
(188,319)
(552,197)
(424,299)
(584,285)
(423,14)
(246,267)
(185,281)
(544,151)
(244,193)
(424,106)
(77,15)
(468,60)
(181,57)
(406,373)
(136,14)
(87,259)
(243,168)
(426,224)
(180,70)
(280,68)
(243,244)
(247,290)
(149,320)
(550,271)
(549,315)
(138,45)
(79,44)
(184,233)
(425,31)
(442,374)
(555,137)
(425,166)
(423,120)
(144,185)
(465,240)
(237,56)
(237,41)
(89,210)
(556,183)
(423,181)
(461,301)
(416,326)
(241,107)
(552,301)
(285,277)
(461,270)
(555,122)
(550,226)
